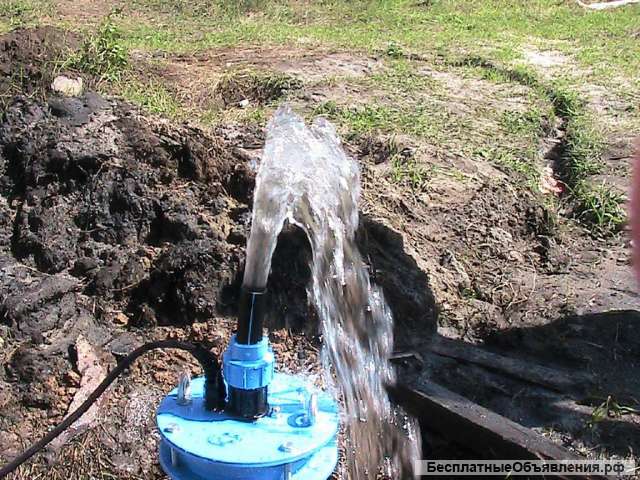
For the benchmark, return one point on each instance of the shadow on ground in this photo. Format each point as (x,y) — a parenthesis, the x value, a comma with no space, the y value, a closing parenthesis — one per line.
(597,410)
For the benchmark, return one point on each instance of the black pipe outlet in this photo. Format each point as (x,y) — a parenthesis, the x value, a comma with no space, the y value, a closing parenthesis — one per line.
(251,316)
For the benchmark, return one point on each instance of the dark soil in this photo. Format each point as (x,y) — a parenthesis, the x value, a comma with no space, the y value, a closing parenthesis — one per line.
(30,58)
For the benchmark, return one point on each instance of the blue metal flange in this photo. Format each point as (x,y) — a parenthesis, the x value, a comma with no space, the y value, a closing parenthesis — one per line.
(296,440)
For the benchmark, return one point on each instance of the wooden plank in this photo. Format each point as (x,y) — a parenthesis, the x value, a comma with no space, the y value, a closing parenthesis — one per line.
(462,421)
(466,423)
(550,378)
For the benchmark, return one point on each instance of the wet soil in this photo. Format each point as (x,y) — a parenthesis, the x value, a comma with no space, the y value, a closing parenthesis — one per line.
(123,228)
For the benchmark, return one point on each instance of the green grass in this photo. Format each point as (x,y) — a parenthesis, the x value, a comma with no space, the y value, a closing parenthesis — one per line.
(400,76)
(494,72)
(584,147)
(152,97)
(600,207)
(483,40)
(529,123)
(396,28)
(21,13)
(408,171)
(399,27)
(421,120)
(610,408)
(512,161)
(597,206)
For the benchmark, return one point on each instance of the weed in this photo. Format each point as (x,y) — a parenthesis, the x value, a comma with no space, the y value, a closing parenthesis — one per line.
(583,149)
(600,207)
(566,102)
(104,54)
(610,409)
(408,171)
(394,50)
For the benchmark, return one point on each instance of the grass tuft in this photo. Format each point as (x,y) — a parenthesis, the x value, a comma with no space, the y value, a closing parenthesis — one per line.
(407,171)
(610,408)
(394,50)
(601,207)
(152,97)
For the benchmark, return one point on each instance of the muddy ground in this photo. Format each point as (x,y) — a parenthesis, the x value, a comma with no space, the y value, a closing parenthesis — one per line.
(122,227)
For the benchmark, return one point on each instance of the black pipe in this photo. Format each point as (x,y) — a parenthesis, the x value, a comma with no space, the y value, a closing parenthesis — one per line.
(249,404)
(251,316)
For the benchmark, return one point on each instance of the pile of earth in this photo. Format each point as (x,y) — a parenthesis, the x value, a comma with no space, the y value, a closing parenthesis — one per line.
(30,58)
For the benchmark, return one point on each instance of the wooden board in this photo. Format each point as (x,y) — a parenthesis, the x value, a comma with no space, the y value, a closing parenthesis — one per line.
(550,378)
(464,422)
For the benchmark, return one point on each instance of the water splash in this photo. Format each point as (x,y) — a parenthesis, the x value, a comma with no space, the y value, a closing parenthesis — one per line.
(307,179)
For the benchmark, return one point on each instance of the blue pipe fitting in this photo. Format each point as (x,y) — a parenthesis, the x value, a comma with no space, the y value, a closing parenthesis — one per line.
(248,367)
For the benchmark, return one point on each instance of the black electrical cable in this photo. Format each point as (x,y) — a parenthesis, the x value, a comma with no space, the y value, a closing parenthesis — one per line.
(214,392)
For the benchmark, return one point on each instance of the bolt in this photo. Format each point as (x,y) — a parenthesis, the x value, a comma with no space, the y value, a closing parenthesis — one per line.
(184,389)
(286,447)
(171,428)
(312,409)
(287,471)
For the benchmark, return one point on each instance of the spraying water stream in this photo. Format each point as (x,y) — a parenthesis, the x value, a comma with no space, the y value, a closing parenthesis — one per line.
(307,179)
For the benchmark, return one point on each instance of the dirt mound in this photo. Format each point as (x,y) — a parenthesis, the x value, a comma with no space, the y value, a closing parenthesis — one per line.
(29,58)
(106,199)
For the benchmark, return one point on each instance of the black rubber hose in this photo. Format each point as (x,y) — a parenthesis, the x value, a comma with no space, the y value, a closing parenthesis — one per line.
(214,392)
